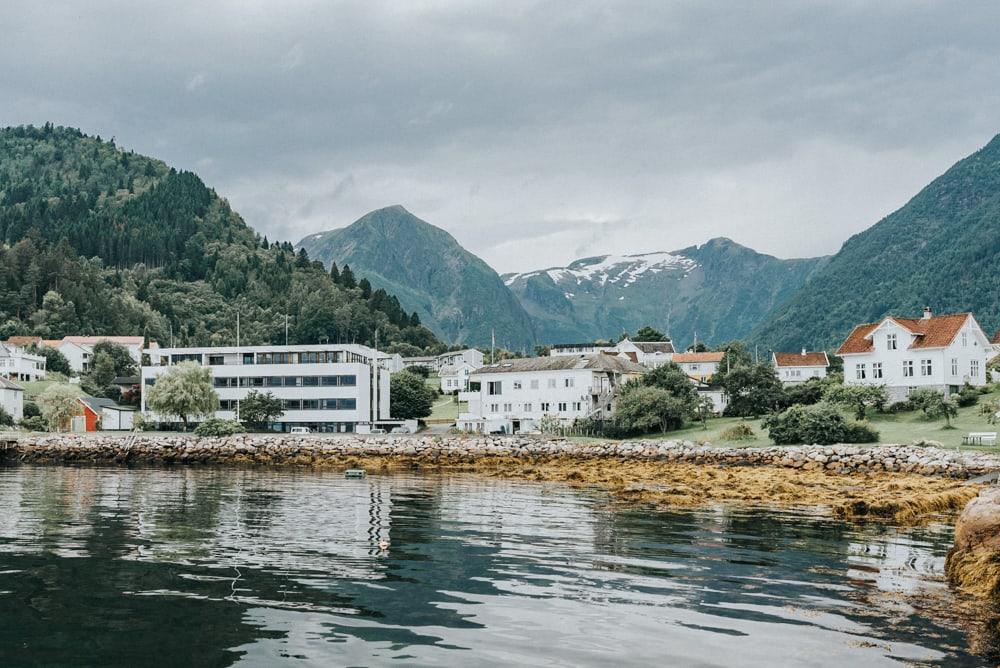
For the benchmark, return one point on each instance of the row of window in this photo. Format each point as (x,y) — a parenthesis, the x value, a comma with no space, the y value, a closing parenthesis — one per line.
(285,381)
(318,357)
(926,369)
(495,387)
(301,404)
(545,406)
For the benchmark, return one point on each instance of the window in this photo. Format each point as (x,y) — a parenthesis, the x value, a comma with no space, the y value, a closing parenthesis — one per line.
(494,387)
(517,385)
(274,381)
(534,384)
(527,408)
(876,369)
(954,366)
(494,408)
(251,382)
(507,408)
(552,383)
(577,406)
(974,368)
(859,372)
(890,342)
(216,360)
(562,407)
(965,339)
(177,359)
(310,404)
(290,404)
(568,382)
(926,368)
(907,368)
(546,406)
(310,381)
(224,381)
(248,358)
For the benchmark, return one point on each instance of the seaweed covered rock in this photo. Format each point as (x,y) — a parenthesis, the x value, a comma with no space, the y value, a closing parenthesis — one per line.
(974,562)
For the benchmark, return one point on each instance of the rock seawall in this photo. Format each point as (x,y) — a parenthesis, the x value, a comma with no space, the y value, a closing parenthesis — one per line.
(282,449)
(974,563)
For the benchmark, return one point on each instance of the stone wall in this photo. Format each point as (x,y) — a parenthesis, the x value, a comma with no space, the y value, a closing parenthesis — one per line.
(314,449)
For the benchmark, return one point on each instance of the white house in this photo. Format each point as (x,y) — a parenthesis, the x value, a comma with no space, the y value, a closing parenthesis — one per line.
(455,377)
(11,398)
(514,395)
(429,361)
(18,364)
(393,362)
(327,388)
(941,352)
(794,368)
(699,366)
(580,349)
(79,350)
(470,356)
(649,354)
(715,393)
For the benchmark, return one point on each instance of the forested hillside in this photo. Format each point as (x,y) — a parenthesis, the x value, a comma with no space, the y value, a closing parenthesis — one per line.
(942,249)
(455,293)
(98,240)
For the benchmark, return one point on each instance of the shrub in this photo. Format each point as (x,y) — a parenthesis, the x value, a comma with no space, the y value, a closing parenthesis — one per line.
(419,370)
(805,394)
(6,419)
(738,432)
(968,396)
(218,427)
(904,406)
(34,423)
(821,424)
(31,409)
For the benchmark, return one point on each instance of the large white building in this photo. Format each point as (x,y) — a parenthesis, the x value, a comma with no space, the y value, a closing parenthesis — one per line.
(327,388)
(470,356)
(514,395)
(11,398)
(795,368)
(18,364)
(649,354)
(940,352)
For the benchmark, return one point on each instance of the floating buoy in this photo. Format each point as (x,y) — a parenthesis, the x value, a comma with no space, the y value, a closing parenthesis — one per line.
(354,473)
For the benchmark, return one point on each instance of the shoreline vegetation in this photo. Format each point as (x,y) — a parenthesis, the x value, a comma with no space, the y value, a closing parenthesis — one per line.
(902,484)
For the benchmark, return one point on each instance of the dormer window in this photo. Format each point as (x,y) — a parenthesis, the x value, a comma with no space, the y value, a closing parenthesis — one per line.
(890,341)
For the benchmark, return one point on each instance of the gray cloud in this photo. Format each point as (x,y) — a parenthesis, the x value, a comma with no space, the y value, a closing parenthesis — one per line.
(534,132)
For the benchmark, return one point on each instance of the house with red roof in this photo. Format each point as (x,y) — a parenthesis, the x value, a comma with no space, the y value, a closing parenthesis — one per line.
(794,368)
(940,352)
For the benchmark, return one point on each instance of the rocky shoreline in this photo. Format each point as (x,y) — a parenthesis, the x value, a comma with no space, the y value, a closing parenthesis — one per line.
(282,449)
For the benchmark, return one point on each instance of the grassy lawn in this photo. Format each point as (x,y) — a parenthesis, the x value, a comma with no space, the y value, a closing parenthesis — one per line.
(903,428)
(445,406)
(33,388)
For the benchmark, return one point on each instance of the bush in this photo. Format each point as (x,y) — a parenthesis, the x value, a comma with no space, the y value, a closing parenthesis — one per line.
(31,409)
(219,427)
(904,406)
(34,423)
(805,394)
(6,419)
(821,424)
(738,432)
(419,370)
(968,396)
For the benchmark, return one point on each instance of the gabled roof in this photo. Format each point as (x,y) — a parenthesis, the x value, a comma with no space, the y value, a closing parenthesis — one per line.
(453,369)
(801,359)
(23,340)
(654,346)
(935,332)
(698,357)
(96,404)
(598,362)
(10,385)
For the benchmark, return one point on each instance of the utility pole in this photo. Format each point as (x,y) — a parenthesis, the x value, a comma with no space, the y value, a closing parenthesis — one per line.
(493,346)
(286,329)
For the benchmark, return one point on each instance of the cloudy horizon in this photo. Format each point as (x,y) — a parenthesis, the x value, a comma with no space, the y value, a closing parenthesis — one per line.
(535,133)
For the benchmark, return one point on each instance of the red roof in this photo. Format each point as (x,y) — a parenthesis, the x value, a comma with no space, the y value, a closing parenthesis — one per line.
(91,340)
(698,357)
(24,340)
(996,337)
(801,359)
(935,332)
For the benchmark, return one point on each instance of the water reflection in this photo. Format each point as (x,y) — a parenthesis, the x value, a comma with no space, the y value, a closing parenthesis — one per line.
(220,567)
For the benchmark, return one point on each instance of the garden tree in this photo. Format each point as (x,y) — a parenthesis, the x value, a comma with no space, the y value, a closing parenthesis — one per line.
(101,374)
(698,347)
(6,419)
(647,333)
(59,404)
(31,409)
(703,410)
(805,394)
(753,389)
(55,361)
(542,351)
(934,405)
(419,370)
(185,391)
(121,358)
(735,354)
(409,396)
(858,398)
(642,409)
(671,378)
(259,409)
(820,424)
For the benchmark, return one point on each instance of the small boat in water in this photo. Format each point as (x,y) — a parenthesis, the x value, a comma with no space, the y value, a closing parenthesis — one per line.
(354,473)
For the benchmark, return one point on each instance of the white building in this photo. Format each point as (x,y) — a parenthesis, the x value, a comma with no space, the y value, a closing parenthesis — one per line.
(649,354)
(11,398)
(327,388)
(470,356)
(514,395)
(699,366)
(455,377)
(429,361)
(794,368)
(580,349)
(18,364)
(938,352)
(393,362)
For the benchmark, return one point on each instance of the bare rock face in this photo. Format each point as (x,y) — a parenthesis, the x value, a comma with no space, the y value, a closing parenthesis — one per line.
(974,562)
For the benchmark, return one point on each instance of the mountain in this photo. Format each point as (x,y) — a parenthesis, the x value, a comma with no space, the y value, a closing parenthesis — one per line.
(941,249)
(718,291)
(455,293)
(98,240)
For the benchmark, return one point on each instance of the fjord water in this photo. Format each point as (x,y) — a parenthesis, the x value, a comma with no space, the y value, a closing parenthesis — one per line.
(186,566)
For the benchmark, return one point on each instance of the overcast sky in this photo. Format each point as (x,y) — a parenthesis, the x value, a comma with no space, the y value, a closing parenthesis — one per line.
(536,133)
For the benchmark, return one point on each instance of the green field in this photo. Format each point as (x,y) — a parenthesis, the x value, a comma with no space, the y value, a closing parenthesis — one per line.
(901,428)
(33,388)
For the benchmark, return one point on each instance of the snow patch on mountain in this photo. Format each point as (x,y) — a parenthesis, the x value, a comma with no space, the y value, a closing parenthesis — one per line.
(614,269)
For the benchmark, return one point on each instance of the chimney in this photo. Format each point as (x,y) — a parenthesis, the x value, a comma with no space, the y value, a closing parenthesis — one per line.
(803,352)
(927,313)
